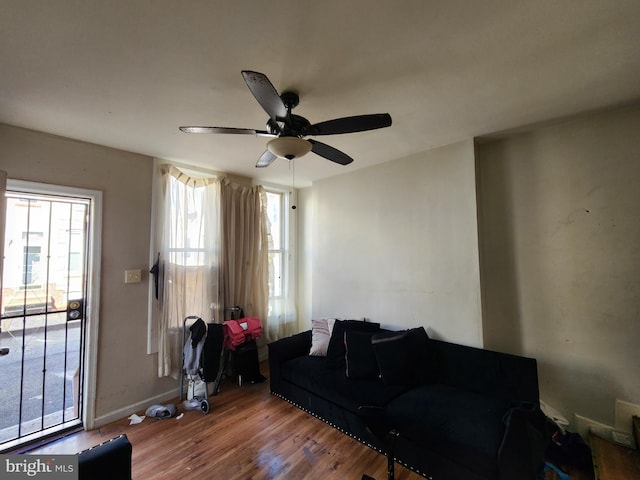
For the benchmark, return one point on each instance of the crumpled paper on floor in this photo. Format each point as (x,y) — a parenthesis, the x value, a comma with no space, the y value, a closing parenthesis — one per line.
(135,419)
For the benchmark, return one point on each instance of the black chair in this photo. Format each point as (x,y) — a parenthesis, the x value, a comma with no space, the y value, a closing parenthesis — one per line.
(110,460)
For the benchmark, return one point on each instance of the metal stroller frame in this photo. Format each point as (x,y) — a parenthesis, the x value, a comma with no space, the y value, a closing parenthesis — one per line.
(204,401)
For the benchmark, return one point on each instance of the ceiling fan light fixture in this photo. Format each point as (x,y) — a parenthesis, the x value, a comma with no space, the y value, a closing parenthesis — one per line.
(289,147)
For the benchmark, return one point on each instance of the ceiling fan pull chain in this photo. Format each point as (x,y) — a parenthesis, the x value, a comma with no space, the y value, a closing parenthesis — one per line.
(293,184)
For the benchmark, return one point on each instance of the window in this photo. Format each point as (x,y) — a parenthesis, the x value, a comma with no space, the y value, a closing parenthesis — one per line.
(187,245)
(275,204)
(30,267)
(282,313)
(214,249)
(187,242)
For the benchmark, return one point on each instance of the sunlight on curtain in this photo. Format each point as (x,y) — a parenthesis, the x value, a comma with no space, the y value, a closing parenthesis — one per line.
(190,259)
(3,213)
(282,317)
(212,237)
(245,248)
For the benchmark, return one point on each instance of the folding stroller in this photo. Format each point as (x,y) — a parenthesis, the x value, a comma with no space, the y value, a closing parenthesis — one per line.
(192,364)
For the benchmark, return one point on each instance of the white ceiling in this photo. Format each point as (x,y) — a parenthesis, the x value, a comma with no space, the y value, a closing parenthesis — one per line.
(127,73)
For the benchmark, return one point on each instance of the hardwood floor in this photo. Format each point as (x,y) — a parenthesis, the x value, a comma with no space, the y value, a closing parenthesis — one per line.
(248,434)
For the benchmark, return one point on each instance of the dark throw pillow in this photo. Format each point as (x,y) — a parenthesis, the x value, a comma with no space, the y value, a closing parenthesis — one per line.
(336,349)
(360,357)
(401,356)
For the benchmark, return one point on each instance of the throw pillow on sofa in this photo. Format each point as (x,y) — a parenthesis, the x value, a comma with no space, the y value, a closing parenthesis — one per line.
(336,350)
(399,355)
(360,357)
(320,335)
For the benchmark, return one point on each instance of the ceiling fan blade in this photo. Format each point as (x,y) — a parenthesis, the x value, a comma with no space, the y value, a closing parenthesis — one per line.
(238,131)
(358,123)
(330,153)
(265,93)
(265,159)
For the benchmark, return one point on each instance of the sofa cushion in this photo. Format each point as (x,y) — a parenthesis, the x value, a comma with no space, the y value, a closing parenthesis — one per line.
(336,350)
(493,373)
(464,426)
(312,374)
(320,334)
(360,357)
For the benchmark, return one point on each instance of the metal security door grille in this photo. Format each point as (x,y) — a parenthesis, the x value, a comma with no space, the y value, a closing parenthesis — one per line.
(44,288)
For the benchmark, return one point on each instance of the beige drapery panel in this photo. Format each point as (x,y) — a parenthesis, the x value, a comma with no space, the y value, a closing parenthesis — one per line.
(3,216)
(245,248)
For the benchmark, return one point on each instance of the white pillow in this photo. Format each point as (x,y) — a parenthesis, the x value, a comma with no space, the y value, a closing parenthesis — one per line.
(320,334)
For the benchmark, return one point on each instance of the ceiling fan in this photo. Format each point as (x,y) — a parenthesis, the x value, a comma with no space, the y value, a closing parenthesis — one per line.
(290,129)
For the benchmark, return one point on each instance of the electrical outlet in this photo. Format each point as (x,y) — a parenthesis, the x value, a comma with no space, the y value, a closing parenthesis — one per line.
(615,436)
(133,276)
(624,412)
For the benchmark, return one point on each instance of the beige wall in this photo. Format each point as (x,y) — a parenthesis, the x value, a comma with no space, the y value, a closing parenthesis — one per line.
(396,243)
(560,249)
(304,250)
(126,374)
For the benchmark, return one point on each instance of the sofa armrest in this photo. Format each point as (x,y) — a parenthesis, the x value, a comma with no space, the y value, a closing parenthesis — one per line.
(290,347)
(110,460)
(285,349)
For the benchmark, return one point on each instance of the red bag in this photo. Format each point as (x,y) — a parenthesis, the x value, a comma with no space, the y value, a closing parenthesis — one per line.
(237,332)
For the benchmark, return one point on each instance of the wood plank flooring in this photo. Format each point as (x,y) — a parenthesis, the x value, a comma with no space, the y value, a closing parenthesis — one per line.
(248,434)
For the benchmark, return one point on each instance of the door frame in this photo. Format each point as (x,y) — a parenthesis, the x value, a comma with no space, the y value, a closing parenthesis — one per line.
(94,251)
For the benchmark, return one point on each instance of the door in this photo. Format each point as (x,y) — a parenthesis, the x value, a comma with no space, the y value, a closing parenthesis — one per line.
(43,316)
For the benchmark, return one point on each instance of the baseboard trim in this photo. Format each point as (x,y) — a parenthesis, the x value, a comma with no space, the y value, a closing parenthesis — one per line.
(136,407)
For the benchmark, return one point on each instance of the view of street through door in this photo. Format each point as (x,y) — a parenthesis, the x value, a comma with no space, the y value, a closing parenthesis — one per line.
(42,325)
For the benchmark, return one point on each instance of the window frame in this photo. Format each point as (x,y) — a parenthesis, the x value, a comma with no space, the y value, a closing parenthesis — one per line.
(287,247)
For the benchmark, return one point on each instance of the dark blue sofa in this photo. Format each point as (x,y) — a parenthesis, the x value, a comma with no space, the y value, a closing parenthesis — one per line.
(472,414)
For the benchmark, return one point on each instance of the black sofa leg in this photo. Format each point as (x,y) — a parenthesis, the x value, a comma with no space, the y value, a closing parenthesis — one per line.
(375,420)
(393,435)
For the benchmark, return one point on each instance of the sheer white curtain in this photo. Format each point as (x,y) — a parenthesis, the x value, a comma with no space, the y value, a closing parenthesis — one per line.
(190,259)
(282,320)
(3,213)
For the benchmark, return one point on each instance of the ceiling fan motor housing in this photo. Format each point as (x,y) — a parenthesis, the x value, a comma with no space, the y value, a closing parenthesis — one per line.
(290,99)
